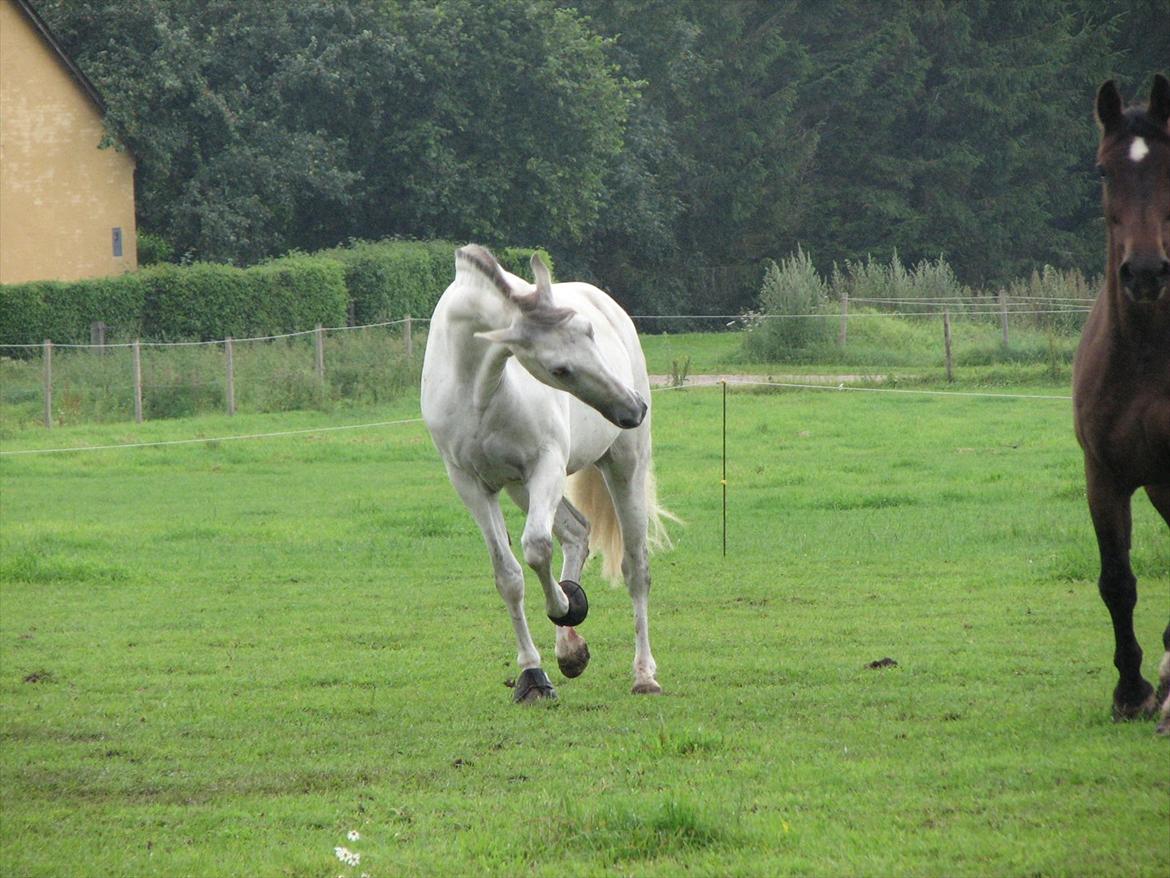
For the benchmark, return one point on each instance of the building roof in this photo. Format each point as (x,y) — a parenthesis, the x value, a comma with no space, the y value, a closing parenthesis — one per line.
(47,34)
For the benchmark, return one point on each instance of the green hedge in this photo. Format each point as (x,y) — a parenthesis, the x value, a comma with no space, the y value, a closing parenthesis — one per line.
(205,301)
(63,310)
(208,301)
(389,279)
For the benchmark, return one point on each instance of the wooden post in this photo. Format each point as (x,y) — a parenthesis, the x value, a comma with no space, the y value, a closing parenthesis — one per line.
(136,349)
(230,387)
(319,345)
(1003,315)
(97,335)
(843,332)
(407,339)
(47,356)
(947,344)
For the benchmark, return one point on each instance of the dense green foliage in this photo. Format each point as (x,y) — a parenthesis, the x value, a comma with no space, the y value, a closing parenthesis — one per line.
(218,659)
(179,302)
(368,281)
(666,148)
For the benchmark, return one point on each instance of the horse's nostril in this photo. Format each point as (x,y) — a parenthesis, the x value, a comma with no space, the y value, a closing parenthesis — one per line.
(1126,272)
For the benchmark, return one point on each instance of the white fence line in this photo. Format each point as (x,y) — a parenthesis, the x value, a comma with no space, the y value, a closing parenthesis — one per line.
(740,381)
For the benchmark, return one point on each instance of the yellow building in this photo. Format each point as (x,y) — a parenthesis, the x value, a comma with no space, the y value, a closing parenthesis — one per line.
(66,206)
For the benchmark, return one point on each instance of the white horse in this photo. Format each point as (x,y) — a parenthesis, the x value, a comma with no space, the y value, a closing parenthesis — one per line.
(542,391)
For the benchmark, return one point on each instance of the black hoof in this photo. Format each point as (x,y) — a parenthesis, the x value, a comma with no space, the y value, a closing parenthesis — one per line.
(578,604)
(1138,703)
(533,685)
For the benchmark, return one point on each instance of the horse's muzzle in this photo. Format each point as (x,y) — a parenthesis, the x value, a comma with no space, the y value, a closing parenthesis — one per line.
(1145,280)
(634,417)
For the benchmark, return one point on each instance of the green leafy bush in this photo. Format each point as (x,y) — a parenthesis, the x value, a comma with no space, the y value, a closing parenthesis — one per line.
(388,280)
(64,310)
(792,298)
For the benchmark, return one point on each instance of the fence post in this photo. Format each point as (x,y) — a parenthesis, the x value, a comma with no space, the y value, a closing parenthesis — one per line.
(230,387)
(48,367)
(843,332)
(947,344)
(97,335)
(319,346)
(1003,315)
(407,339)
(136,349)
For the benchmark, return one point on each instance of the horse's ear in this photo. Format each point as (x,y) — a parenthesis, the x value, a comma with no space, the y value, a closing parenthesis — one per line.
(509,336)
(1109,108)
(543,278)
(1159,108)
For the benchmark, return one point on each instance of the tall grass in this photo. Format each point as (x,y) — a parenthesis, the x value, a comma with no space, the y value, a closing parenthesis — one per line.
(893,309)
(365,366)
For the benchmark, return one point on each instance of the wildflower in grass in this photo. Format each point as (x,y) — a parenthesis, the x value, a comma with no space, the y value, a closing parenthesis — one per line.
(354,835)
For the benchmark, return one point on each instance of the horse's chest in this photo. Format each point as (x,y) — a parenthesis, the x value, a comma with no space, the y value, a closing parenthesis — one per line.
(1134,438)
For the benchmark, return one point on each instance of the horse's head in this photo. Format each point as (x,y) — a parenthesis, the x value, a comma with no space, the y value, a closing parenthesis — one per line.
(1134,161)
(557,346)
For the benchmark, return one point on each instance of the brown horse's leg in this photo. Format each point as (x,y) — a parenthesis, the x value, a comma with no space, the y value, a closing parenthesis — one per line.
(1160,497)
(1109,505)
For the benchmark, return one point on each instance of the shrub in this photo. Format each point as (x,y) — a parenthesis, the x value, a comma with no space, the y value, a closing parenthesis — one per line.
(208,301)
(63,310)
(389,279)
(792,302)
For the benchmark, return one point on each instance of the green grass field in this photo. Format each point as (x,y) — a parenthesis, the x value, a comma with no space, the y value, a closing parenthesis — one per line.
(219,658)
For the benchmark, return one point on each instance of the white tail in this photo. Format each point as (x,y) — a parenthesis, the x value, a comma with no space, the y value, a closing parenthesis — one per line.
(586,489)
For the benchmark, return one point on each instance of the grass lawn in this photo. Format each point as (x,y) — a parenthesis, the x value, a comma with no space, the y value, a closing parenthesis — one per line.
(217,659)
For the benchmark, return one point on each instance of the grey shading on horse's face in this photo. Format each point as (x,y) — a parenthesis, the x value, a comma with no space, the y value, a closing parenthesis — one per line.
(566,356)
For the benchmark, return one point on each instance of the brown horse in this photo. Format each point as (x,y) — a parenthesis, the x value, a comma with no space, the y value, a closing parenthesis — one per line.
(1121,379)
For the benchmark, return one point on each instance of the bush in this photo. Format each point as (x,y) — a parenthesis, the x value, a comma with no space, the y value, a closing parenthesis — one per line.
(792,302)
(389,279)
(63,310)
(208,301)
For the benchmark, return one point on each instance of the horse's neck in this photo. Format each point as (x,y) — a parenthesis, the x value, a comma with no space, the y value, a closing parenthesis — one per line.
(479,365)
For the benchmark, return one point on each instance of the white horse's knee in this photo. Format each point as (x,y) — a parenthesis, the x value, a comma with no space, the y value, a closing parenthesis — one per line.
(538,549)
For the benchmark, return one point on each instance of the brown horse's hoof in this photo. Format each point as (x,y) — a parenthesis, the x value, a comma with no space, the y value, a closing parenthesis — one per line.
(1142,705)
(533,685)
(574,663)
(647,687)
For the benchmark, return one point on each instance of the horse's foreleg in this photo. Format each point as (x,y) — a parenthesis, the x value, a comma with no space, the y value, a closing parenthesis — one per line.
(627,486)
(485,509)
(539,497)
(1110,509)
(1160,497)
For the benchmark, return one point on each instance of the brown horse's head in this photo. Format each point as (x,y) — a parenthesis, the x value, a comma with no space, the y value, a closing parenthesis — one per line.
(1134,161)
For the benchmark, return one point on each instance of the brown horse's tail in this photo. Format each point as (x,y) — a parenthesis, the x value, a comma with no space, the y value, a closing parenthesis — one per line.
(586,489)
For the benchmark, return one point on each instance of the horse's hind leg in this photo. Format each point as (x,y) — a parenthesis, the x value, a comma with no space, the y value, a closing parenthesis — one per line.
(1160,497)
(485,508)
(1110,509)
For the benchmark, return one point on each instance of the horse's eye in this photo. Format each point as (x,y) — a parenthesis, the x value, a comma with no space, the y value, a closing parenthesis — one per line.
(560,372)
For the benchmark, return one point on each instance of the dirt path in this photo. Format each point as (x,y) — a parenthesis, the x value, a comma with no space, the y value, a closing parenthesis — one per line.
(706,380)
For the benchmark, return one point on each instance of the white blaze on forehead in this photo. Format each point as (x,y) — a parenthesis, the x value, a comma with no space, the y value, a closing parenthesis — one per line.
(1138,149)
